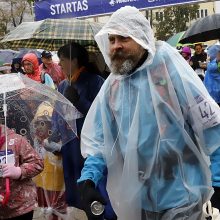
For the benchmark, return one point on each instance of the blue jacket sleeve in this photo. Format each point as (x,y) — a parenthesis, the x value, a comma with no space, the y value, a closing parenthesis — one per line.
(215,167)
(93,169)
(92,144)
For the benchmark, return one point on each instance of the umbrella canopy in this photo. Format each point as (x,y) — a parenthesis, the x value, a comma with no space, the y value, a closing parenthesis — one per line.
(51,34)
(174,40)
(204,29)
(18,57)
(24,51)
(6,56)
(23,96)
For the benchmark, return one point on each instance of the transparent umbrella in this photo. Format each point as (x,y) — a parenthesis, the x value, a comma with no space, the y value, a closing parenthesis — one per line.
(29,109)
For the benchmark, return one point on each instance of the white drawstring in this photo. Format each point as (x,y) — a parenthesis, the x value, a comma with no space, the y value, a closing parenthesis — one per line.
(6,139)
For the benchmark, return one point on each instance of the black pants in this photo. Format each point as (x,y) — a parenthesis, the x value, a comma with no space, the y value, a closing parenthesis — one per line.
(215,200)
(27,216)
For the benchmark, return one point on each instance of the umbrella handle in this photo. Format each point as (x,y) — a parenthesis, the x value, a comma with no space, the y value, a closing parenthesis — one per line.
(7,192)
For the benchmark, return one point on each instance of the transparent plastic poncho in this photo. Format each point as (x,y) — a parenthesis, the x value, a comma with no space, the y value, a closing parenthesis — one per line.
(151,128)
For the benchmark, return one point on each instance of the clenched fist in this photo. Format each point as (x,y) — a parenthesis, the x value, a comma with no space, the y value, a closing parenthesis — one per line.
(11,171)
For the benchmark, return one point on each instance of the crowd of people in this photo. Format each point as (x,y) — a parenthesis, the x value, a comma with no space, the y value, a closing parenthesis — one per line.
(206,67)
(139,152)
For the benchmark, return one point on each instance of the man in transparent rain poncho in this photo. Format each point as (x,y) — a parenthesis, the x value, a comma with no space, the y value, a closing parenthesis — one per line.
(149,125)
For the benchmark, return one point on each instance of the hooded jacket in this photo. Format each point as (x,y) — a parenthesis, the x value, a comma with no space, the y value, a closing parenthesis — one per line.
(23,191)
(36,75)
(31,57)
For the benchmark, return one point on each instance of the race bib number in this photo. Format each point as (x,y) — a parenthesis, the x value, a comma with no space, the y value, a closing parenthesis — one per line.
(10,158)
(207,112)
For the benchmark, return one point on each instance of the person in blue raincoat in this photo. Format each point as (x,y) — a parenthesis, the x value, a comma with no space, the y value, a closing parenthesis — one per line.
(212,78)
(80,88)
(212,83)
(148,125)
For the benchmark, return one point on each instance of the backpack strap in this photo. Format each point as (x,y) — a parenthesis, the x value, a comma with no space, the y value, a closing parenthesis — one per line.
(47,80)
(42,77)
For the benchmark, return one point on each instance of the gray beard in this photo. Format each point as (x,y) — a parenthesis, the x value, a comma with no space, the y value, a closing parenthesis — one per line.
(125,69)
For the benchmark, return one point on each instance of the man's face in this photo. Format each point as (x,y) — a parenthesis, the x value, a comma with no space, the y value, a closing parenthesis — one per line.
(198,49)
(47,61)
(124,54)
(28,67)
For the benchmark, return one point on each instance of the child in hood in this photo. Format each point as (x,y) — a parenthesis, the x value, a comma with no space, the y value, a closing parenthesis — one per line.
(186,53)
(50,182)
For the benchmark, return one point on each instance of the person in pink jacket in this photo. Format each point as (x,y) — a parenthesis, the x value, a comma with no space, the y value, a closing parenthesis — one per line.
(22,165)
(53,69)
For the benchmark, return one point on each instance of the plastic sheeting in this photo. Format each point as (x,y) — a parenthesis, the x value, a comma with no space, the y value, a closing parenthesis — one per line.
(150,128)
(50,182)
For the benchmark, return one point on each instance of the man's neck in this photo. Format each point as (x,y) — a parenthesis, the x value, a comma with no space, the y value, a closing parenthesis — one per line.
(141,61)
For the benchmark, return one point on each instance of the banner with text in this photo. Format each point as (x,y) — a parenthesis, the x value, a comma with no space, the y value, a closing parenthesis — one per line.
(87,8)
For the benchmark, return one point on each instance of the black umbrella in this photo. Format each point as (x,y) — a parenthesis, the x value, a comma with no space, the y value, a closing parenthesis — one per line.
(204,29)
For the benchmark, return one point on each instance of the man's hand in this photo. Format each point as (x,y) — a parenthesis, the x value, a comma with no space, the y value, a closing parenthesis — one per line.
(52,146)
(11,171)
(88,194)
